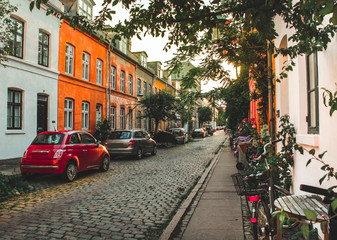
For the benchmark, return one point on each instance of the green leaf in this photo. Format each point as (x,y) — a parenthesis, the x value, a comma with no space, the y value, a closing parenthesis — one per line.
(322,154)
(282,217)
(329,7)
(311,215)
(322,179)
(334,205)
(305,231)
(333,19)
(31,6)
(309,161)
(323,226)
(312,152)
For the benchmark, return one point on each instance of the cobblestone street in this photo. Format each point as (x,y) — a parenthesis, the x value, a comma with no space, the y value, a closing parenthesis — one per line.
(135,199)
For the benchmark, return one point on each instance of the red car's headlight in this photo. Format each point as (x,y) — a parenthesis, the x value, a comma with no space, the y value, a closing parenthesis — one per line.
(58,154)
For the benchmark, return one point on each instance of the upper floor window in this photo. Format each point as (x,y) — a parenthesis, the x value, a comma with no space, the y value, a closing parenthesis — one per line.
(85,9)
(85,66)
(312,93)
(14,109)
(143,61)
(113,77)
(130,84)
(69,68)
(98,113)
(68,114)
(122,81)
(144,88)
(123,43)
(85,115)
(17,38)
(99,71)
(43,52)
(139,86)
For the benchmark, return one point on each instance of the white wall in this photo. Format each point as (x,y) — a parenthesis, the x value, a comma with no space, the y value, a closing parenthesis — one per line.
(26,75)
(326,139)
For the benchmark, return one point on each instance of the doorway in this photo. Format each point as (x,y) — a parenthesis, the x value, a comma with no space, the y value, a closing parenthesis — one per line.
(42,113)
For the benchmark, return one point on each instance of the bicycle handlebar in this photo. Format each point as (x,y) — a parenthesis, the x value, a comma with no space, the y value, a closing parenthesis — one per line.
(265,148)
(317,190)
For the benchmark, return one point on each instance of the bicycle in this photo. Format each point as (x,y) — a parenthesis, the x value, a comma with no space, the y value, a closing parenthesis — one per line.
(260,193)
(329,197)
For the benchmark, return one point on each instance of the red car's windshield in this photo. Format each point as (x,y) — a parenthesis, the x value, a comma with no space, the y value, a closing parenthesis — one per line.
(48,139)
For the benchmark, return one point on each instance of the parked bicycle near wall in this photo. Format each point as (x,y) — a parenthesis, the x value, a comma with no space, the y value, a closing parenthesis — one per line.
(260,193)
(329,197)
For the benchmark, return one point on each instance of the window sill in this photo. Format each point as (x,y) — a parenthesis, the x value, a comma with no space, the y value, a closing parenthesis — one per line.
(308,139)
(14,132)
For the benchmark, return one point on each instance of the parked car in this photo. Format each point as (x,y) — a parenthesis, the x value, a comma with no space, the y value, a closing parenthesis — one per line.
(198,132)
(209,129)
(180,134)
(135,142)
(64,152)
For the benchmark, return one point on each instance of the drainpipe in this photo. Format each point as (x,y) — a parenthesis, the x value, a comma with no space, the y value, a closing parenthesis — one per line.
(270,90)
(109,83)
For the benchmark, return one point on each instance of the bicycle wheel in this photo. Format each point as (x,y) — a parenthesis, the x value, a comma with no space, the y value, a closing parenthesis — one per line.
(281,192)
(263,220)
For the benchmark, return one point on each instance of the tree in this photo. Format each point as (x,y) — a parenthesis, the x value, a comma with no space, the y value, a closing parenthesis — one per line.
(160,107)
(205,114)
(6,27)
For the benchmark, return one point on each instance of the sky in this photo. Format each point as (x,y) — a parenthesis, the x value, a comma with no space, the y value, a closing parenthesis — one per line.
(154,46)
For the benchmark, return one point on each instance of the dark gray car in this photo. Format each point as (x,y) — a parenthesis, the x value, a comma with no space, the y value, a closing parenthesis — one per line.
(180,134)
(135,142)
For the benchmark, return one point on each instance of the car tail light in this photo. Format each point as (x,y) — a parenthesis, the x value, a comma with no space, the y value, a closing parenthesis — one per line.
(58,154)
(253,220)
(106,143)
(25,154)
(132,142)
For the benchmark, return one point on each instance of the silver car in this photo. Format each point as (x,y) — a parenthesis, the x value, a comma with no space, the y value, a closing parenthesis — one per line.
(180,134)
(135,142)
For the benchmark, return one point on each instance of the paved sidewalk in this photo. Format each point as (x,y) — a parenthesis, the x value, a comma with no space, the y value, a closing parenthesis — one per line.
(218,213)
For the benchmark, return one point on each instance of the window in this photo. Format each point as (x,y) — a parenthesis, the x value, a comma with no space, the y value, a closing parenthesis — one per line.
(145,123)
(99,70)
(144,88)
(139,120)
(122,81)
(122,118)
(69,60)
(130,84)
(86,138)
(150,88)
(74,139)
(155,90)
(85,9)
(113,117)
(17,38)
(123,45)
(98,113)
(113,77)
(312,82)
(43,51)
(14,109)
(143,61)
(85,66)
(139,86)
(68,114)
(130,118)
(85,115)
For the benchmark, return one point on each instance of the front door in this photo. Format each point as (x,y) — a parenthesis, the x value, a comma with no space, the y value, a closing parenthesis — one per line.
(42,113)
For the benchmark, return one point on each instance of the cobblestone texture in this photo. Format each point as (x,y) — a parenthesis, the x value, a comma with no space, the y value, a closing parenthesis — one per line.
(135,199)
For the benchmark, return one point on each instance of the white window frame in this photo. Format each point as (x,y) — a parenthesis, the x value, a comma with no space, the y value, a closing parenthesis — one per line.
(98,112)
(85,66)
(99,71)
(113,77)
(68,114)
(69,64)
(122,87)
(85,115)
(113,117)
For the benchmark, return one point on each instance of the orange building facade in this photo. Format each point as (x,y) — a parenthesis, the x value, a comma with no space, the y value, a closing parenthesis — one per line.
(82,80)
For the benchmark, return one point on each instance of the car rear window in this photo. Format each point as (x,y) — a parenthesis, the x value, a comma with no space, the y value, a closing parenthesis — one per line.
(48,139)
(120,135)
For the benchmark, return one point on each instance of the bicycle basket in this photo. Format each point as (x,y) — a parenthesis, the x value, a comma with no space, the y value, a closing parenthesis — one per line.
(245,186)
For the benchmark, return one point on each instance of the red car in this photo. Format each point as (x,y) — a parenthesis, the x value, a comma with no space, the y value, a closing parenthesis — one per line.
(64,152)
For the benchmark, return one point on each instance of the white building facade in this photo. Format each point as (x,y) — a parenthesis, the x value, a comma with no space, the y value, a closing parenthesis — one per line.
(301,97)
(29,79)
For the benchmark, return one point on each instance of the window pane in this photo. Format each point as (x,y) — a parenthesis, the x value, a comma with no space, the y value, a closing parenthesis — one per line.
(312,99)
